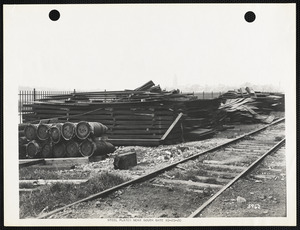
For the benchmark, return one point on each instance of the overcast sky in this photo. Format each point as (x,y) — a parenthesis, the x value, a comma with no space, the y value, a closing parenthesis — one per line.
(123,46)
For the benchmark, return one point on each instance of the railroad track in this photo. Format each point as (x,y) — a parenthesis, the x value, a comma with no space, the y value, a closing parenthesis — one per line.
(187,186)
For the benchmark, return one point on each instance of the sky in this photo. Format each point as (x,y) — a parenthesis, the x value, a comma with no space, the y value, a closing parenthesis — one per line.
(115,47)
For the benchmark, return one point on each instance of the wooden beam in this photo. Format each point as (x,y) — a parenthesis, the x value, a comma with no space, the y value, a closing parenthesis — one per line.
(26,163)
(66,161)
(191,183)
(43,182)
(171,126)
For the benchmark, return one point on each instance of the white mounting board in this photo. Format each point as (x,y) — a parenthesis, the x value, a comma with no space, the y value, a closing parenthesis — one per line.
(121,46)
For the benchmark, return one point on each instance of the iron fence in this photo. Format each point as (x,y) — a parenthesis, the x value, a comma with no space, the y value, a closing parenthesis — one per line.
(27,97)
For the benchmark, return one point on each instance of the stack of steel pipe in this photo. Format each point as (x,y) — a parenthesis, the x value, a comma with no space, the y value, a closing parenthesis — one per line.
(61,140)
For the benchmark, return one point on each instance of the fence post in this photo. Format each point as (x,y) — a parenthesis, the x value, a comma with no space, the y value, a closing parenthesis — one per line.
(33,94)
(20,107)
(74,91)
(212,94)
(203,95)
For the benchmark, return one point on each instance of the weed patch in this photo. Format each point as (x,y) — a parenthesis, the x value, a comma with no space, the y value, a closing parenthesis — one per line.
(37,173)
(59,194)
(26,185)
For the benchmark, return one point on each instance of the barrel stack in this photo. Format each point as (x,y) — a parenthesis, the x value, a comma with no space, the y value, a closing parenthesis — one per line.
(61,140)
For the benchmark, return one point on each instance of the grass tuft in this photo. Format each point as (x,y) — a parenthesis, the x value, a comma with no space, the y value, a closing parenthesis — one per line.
(59,194)
(31,173)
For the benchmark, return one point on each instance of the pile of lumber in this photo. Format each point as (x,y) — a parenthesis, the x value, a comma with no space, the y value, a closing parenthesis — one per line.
(248,106)
(60,140)
(146,116)
(263,101)
(245,110)
(202,118)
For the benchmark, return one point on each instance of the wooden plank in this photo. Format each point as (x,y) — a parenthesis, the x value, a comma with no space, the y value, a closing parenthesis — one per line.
(66,161)
(135,131)
(22,190)
(124,111)
(223,162)
(140,127)
(28,162)
(44,182)
(131,136)
(206,179)
(134,142)
(246,149)
(171,126)
(190,183)
(215,166)
(53,167)
(225,175)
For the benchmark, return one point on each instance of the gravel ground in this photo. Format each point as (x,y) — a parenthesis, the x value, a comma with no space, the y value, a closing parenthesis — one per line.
(150,159)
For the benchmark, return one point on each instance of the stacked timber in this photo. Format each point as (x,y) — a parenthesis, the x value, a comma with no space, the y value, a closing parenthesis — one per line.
(245,110)
(232,94)
(142,116)
(202,117)
(263,101)
(250,106)
(61,140)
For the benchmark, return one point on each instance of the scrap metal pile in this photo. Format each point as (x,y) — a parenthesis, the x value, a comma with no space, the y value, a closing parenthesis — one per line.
(248,106)
(146,116)
(63,140)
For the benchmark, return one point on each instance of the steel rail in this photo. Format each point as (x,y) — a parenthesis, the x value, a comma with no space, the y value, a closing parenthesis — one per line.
(203,206)
(153,174)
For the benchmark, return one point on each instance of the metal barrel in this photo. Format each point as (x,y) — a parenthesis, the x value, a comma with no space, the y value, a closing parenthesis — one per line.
(55,132)
(103,147)
(22,151)
(110,148)
(33,149)
(23,141)
(87,148)
(43,131)
(72,148)
(84,129)
(21,133)
(22,126)
(68,130)
(59,150)
(47,150)
(95,147)
(22,147)
(30,132)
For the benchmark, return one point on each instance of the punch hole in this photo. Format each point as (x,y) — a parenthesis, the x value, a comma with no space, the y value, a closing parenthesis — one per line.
(54,15)
(250,16)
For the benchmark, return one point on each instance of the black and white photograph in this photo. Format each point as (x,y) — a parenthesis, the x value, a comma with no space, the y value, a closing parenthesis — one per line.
(149,114)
